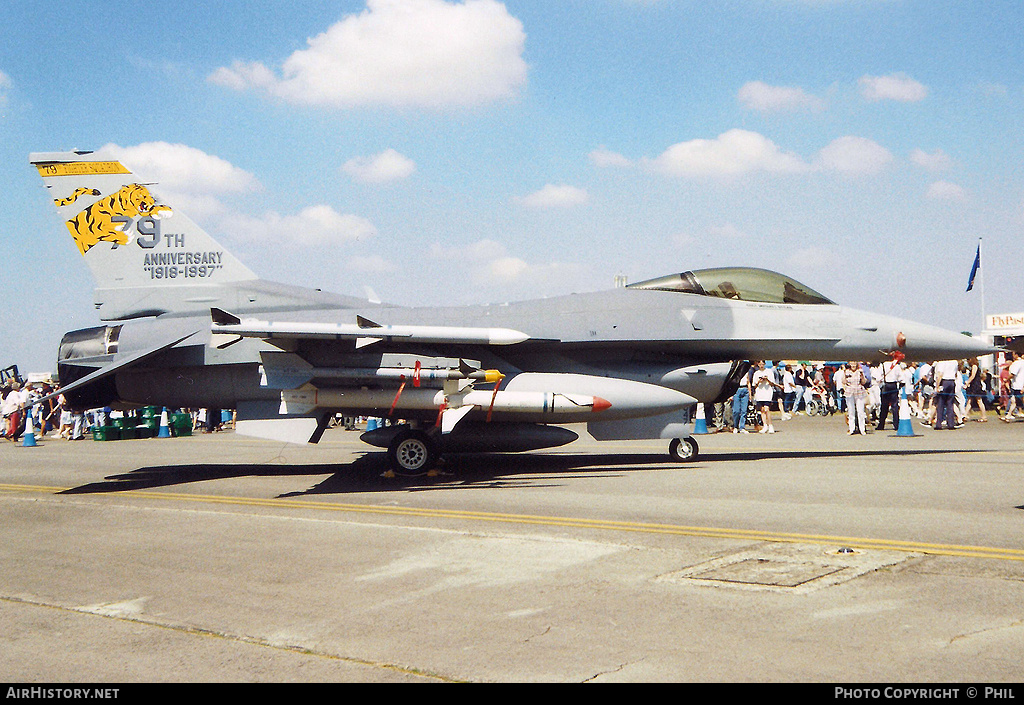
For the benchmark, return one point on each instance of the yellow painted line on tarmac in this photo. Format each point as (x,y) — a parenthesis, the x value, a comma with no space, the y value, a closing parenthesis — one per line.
(1008,554)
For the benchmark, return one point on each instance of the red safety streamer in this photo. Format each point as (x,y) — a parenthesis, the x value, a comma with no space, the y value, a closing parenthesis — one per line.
(398,395)
(490,408)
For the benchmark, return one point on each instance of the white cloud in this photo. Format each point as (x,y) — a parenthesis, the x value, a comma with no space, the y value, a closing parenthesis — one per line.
(193,180)
(389,165)
(732,153)
(487,261)
(503,270)
(854,155)
(946,191)
(740,152)
(757,95)
(491,266)
(189,178)
(181,168)
(426,53)
(603,157)
(555,196)
(936,161)
(243,75)
(896,86)
(314,225)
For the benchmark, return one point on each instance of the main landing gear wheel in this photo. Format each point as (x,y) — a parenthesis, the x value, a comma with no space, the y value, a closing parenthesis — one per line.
(412,453)
(683,450)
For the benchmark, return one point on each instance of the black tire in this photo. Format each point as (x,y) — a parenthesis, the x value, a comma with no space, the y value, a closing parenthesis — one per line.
(683,450)
(412,453)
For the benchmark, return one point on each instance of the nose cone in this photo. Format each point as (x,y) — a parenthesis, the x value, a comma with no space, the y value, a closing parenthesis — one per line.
(921,342)
(866,335)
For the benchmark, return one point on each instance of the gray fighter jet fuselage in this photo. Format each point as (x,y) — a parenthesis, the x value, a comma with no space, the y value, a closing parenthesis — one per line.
(187,325)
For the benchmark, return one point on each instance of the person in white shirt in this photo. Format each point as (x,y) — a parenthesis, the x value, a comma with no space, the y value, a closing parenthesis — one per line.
(12,410)
(853,387)
(960,394)
(764,385)
(890,397)
(789,389)
(926,386)
(1016,386)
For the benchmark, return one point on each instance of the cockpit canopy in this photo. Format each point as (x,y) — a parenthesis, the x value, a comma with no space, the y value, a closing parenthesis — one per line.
(739,283)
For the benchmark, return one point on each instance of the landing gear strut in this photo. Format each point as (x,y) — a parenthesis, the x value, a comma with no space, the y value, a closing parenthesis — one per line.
(683,450)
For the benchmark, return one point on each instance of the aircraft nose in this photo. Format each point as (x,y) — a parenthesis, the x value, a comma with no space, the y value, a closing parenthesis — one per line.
(922,342)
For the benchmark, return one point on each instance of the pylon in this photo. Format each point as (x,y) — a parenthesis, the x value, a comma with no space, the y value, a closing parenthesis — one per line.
(906,427)
(29,439)
(165,429)
(700,424)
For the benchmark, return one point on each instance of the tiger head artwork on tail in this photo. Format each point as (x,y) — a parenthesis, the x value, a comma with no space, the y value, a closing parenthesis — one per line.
(146,258)
(96,223)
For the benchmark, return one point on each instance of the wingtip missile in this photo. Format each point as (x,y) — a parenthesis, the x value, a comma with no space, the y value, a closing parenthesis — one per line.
(364,331)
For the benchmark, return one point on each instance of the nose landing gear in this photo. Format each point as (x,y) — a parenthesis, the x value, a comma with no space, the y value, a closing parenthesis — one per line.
(683,450)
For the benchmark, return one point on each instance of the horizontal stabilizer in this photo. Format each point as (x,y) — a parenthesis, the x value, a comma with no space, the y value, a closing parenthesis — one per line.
(122,363)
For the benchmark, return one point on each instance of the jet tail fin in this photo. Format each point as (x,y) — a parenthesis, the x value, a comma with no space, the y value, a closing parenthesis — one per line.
(146,256)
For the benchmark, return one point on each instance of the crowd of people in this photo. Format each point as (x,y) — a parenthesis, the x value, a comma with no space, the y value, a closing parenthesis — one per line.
(942,394)
(19,401)
(21,408)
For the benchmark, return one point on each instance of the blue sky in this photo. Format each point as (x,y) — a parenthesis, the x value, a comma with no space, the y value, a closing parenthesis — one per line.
(447,153)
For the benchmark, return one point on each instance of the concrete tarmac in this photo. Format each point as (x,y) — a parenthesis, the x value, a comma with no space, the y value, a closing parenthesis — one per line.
(804,556)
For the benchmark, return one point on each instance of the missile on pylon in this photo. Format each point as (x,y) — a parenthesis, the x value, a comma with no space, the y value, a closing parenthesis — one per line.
(558,398)
(364,332)
(550,407)
(290,371)
(628,398)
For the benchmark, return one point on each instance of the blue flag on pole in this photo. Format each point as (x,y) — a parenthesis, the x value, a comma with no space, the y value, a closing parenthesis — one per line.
(974,268)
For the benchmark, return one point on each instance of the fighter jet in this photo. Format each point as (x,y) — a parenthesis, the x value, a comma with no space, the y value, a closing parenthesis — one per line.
(186,324)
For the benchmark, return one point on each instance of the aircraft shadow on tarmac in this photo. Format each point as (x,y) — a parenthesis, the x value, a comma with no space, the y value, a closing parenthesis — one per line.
(367,473)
